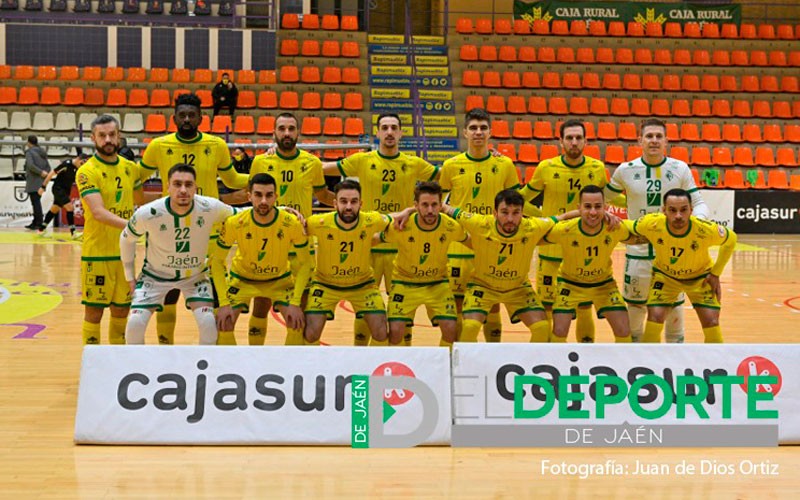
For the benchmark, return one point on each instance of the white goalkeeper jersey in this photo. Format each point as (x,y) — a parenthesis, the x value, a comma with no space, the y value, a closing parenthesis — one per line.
(644,186)
(177,245)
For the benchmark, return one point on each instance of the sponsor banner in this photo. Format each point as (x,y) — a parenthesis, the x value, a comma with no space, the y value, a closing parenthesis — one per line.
(390,93)
(401,39)
(441,107)
(415,144)
(720,206)
(426,50)
(441,131)
(427,40)
(766,212)
(441,156)
(422,60)
(433,71)
(15,206)
(390,70)
(626,395)
(640,12)
(388,59)
(405,81)
(441,95)
(241,395)
(436,120)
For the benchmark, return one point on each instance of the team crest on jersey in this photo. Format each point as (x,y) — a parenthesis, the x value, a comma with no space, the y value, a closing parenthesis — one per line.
(411,239)
(660,241)
(637,177)
(373,167)
(591,176)
(403,168)
(694,246)
(556,176)
(163,227)
(280,234)
(83,179)
(207,151)
(248,236)
(442,238)
(670,175)
(169,152)
(105,176)
(303,168)
(574,243)
(494,169)
(127,172)
(270,168)
(607,240)
(462,171)
(330,237)
(201,222)
(152,211)
(524,239)
(363,235)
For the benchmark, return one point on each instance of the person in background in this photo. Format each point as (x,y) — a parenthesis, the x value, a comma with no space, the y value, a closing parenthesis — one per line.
(64,174)
(36,170)
(225,95)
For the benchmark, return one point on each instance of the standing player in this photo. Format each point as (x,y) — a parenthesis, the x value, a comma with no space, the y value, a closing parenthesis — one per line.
(62,186)
(559,180)
(682,264)
(644,182)
(420,267)
(105,184)
(265,236)
(208,155)
(387,179)
(177,231)
(343,270)
(586,273)
(502,263)
(472,180)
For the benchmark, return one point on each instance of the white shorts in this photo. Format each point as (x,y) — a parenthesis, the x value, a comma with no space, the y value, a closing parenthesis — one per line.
(150,292)
(636,287)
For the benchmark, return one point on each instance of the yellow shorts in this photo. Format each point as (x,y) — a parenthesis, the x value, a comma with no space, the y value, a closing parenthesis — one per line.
(404,300)
(480,299)
(666,292)
(240,291)
(546,280)
(605,296)
(383,267)
(461,271)
(365,300)
(104,284)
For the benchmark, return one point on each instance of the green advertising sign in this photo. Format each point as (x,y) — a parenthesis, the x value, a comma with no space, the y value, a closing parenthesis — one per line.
(642,13)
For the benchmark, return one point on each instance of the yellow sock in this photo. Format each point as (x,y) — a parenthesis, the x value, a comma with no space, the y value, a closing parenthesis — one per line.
(713,335)
(361,332)
(91,333)
(540,331)
(627,339)
(584,326)
(165,324)
(226,338)
(444,343)
(459,327)
(407,336)
(493,328)
(379,343)
(256,330)
(294,337)
(116,330)
(555,339)
(652,332)
(469,332)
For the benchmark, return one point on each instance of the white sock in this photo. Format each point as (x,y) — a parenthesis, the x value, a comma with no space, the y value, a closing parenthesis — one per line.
(673,325)
(636,315)
(206,324)
(137,325)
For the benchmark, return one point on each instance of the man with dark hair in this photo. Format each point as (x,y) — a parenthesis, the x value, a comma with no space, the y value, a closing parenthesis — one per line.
(105,184)
(559,180)
(36,170)
(265,236)
(586,274)
(644,182)
(682,264)
(225,95)
(64,174)
(387,177)
(210,157)
(502,262)
(177,230)
(343,270)
(472,180)
(420,266)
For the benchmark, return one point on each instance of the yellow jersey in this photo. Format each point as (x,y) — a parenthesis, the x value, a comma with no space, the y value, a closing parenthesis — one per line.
(685,257)
(586,257)
(114,182)
(473,183)
(561,184)
(343,255)
(208,155)
(387,182)
(502,262)
(296,178)
(422,255)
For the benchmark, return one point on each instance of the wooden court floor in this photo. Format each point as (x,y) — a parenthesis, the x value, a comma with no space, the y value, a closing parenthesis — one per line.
(40,349)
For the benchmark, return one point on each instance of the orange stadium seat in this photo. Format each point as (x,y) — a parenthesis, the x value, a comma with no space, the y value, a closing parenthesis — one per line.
(752,133)
(521,27)
(615,154)
(598,106)
(659,107)
(604,55)
(311,125)
(496,104)
(290,21)
(51,96)
(673,30)
(244,125)
(92,74)
(265,125)
(765,156)
(267,99)
(487,53)
(772,133)
(351,76)
(206,101)
(289,100)
(73,96)
(332,100)
(330,22)
(758,58)
(578,27)
(623,56)
(484,26)
(526,54)
(762,109)
(522,129)
(546,54)
(750,83)
(530,80)
(311,101)
(766,31)
(682,57)
(557,106)
(114,74)
(626,131)
(571,80)
(680,153)
(721,58)
(464,26)
(246,76)
(662,57)
(155,124)
(616,28)
(116,97)
(634,151)
(791,133)
(68,73)
(654,30)
(782,109)
(710,30)
(721,157)
(502,26)
(777,58)
(729,31)
(137,98)
(691,30)
(728,83)
(353,127)
(508,150)
(289,74)
(635,29)
(551,80)
(689,132)
(247,99)
(701,157)
(597,28)
(731,132)
(741,109)
(331,48)
(790,84)
(93,97)
(590,80)
(777,179)
(332,75)
(607,131)
(643,56)
(510,80)
(542,130)
(501,129)
(559,27)
(310,74)
(353,101)
(710,132)
(794,58)
(158,75)
(333,125)
(516,105)
(349,23)
(760,181)
(672,132)
(28,96)
(540,27)
(565,55)
(743,157)
(709,83)
(701,107)
(548,151)
(701,58)
(785,32)
(620,106)
(769,83)
(578,106)
(640,107)
(310,48)
(267,77)
(611,81)
(491,79)
(537,105)
(310,22)
(680,107)
(690,83)
(528,154)
(585,55)
(671,82)
(136,75)
(631,81)
(785,157)
(46,73)
(733,179)
(468,52)
(23,72)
